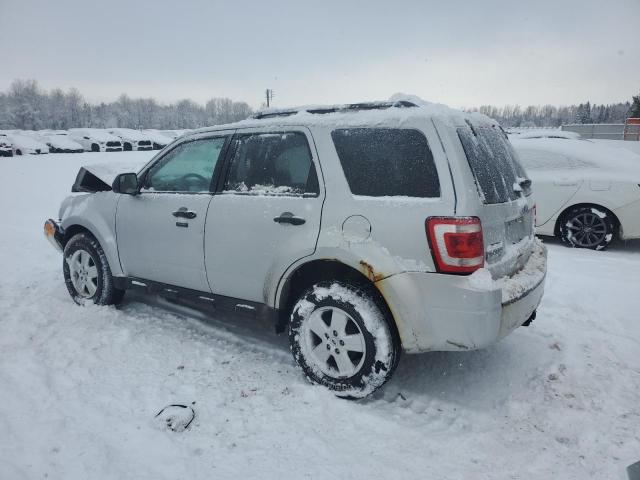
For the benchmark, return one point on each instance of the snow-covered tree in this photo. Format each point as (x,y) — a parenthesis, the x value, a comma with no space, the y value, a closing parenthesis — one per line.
(634,111)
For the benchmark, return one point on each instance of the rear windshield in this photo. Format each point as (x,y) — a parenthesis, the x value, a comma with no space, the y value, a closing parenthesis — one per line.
(381,162)
(493,162)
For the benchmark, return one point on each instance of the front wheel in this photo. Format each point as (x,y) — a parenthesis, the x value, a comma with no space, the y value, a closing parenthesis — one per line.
(587,227)
(87,273)
(343,340)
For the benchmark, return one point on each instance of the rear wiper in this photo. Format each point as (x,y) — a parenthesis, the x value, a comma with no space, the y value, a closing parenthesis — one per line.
(525,183)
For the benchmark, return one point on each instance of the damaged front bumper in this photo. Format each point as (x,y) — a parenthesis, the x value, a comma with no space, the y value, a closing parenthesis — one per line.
(435,312)
(54,233)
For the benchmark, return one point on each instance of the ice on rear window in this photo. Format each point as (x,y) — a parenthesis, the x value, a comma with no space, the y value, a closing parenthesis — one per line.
(494,163)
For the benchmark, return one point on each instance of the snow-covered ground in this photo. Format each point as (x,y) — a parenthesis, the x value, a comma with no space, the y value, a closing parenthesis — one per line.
(79,386)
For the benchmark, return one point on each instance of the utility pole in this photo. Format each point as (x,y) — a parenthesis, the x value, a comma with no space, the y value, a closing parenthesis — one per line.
(269,94)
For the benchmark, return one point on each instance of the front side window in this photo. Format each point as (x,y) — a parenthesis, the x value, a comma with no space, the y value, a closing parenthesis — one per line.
(272,163)
(188,167)
(384,162)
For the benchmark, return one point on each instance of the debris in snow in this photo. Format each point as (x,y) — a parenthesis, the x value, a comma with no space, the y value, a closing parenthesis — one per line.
(176,418)
(599,213)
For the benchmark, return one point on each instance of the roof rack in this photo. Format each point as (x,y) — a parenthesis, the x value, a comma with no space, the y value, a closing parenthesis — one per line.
(350,107)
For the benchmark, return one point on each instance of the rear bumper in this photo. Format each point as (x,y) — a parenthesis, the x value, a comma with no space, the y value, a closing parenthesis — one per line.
(448,312)
(54,233)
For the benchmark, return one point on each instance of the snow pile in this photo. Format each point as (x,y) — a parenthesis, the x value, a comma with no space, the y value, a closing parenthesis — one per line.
(262,189)
(516,285)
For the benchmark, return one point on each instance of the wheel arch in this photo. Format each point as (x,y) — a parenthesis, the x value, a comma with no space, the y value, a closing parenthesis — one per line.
(562,215)
(74,227)
(73,230)
(318,270)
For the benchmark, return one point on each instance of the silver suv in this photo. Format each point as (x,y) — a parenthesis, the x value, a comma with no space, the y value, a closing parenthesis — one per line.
(362,229)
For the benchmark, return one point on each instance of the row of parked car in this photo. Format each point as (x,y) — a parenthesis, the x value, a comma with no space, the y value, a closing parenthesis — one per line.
(75,140)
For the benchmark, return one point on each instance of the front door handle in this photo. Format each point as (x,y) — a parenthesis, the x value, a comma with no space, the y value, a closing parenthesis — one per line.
(183,212)
(288,217)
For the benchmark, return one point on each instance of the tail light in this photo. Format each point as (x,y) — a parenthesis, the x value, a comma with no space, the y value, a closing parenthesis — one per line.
(456,243)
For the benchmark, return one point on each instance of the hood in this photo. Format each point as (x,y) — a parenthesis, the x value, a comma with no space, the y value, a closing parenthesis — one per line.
(100,177)
(61,141)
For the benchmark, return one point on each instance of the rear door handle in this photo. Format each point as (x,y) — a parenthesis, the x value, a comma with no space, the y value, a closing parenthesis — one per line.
(290,218)
(183,212)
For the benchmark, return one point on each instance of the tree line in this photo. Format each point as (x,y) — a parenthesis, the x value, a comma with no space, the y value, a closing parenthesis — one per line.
(26,106)
(553,116)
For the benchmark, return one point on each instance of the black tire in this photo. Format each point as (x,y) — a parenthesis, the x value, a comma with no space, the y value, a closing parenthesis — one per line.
(366,321)
(105,292)
(127,147)
(18,152)
(95,147)
(589,227)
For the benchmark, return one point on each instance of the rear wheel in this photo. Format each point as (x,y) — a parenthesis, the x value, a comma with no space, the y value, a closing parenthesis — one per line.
(18,152)
(95,147)
(87,273)
(588,227)
(127,147)
(342,339)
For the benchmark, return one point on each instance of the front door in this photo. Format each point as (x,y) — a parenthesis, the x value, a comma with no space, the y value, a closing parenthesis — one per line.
(267,215)
(160,232)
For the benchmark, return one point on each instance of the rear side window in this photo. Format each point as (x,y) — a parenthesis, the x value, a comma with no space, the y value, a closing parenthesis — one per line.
(272,163)
(381,162)
(493,162)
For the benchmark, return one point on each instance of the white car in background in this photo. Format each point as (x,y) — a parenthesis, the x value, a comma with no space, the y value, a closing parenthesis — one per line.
(159,139)
(6,148)
(132,139)
(22,144)
(95,140)
(57,142)
(586,193)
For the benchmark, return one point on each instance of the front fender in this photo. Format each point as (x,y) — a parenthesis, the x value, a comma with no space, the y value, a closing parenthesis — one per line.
(96,213)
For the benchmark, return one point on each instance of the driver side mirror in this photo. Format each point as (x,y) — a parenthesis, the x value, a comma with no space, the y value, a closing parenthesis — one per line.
(126,183)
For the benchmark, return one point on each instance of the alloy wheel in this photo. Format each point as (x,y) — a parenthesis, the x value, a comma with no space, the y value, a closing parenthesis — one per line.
(84,273)
(587,229)
(335,342)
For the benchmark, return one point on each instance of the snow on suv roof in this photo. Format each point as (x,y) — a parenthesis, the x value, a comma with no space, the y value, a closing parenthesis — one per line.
(398,109)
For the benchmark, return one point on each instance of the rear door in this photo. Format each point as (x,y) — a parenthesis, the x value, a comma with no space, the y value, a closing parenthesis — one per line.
(160,232)
(554,181)
(267,213)
(506,204)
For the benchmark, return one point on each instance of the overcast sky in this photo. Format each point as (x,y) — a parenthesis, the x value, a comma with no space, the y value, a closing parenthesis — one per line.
(459,53)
